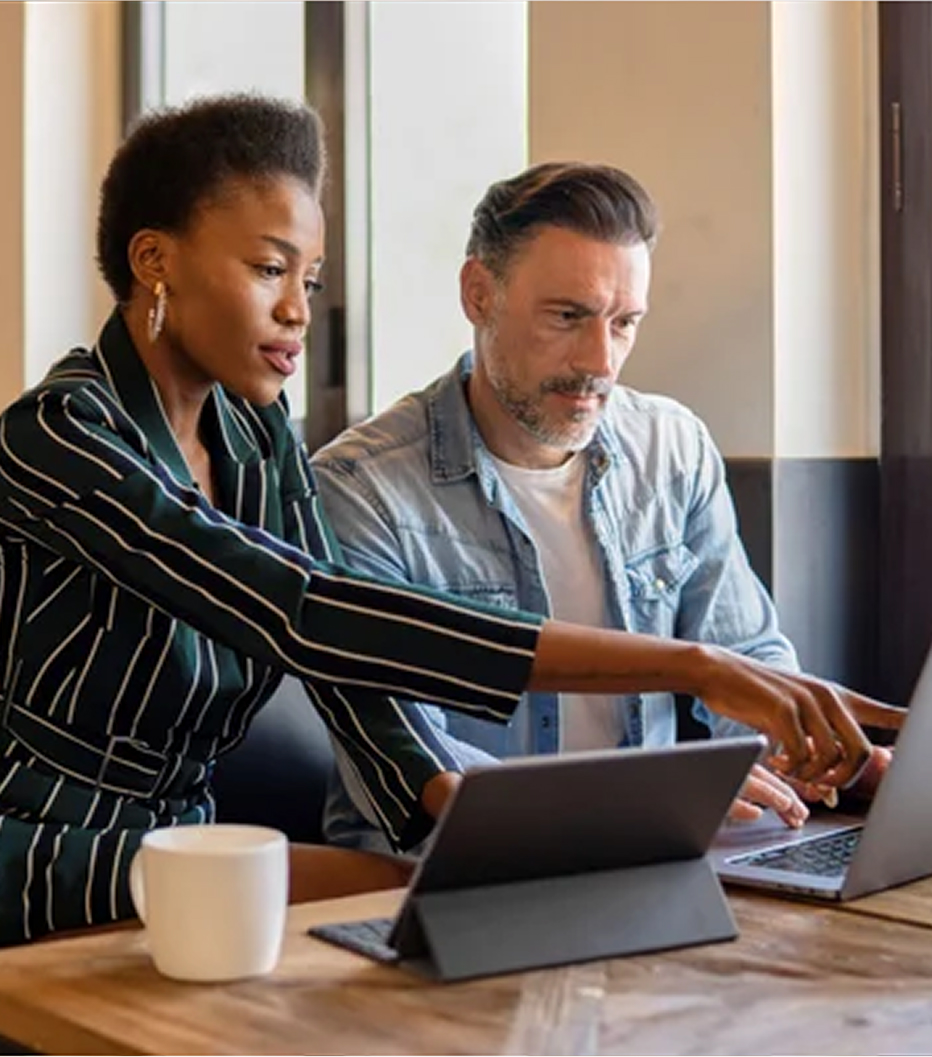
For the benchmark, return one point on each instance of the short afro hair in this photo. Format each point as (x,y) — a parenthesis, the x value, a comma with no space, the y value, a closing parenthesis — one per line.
(177,158)
(599,201)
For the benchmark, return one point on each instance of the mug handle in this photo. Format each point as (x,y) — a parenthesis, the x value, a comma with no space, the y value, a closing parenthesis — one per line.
(136,886)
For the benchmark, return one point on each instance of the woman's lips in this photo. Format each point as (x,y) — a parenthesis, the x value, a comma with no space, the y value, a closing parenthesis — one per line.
(284,358)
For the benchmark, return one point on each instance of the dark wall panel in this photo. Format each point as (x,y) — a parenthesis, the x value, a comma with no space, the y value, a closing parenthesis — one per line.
(906,328)
(826,561)
(751,482)
(811,530)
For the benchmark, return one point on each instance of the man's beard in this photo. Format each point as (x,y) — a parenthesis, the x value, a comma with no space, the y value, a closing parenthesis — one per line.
(570,432)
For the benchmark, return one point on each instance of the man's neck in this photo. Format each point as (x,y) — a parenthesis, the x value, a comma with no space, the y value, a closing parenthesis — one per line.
(505,438)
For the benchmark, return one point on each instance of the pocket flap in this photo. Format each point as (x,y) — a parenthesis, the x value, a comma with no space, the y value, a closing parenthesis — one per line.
(660,574)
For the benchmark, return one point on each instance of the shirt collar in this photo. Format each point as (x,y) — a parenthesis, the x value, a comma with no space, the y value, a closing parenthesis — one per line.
(454,437)
(137,392)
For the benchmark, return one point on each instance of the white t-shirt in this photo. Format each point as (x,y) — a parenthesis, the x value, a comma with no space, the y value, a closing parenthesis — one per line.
(552,504)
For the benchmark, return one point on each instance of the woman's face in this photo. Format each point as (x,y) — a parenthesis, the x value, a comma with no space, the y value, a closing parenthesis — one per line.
(238,284)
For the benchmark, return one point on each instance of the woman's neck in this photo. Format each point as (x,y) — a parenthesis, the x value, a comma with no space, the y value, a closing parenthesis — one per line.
(182,396)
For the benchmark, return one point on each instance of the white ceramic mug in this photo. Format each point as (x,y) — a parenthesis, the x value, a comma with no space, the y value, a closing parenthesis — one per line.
(213,899)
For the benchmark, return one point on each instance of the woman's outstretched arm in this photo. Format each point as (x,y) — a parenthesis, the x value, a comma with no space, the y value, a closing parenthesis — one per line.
(814,726)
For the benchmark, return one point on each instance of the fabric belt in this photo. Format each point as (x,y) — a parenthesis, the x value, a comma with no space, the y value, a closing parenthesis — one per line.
(118,764)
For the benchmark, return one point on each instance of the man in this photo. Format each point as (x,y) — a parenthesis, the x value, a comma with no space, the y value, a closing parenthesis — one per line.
(527,476)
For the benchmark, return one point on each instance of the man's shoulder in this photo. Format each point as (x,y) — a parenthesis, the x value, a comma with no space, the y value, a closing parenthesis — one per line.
(386,460)
(651,417)
(657,436)
(393,434)
(656,406)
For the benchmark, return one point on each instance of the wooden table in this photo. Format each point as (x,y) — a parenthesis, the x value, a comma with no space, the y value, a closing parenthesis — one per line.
(799,979)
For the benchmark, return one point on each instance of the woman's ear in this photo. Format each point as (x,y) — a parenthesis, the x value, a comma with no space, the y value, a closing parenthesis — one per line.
(149,252)
(477,291)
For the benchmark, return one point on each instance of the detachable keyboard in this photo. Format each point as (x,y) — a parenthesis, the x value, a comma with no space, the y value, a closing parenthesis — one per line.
(827,855)
(369,937)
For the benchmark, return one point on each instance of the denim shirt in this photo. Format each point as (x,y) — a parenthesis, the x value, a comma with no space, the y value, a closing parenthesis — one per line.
(414,494)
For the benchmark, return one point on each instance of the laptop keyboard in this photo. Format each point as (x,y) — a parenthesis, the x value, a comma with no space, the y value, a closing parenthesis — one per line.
(825,856)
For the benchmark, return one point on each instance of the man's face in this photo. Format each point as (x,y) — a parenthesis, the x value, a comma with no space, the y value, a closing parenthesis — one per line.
(551,338)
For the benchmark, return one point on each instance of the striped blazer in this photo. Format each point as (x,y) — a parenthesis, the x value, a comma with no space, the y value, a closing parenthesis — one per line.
(141,627)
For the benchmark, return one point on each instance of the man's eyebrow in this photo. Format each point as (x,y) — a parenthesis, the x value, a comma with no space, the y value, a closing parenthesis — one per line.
(569,302)
(585,309)
(288,248)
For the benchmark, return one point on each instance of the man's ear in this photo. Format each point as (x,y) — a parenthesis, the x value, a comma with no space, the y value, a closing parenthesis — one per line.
(477,291)
(149,254)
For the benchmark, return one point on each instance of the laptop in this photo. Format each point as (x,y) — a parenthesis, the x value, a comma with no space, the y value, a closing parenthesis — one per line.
(553,859)
(842,857)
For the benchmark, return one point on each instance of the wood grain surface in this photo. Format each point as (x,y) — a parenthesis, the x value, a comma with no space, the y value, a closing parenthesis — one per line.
(800,979)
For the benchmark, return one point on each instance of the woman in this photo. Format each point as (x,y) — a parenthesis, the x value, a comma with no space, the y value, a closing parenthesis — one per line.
(164,559)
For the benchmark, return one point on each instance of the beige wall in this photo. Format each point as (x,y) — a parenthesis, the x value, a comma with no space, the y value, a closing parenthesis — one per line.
(754,125)
(826,229)
(751,124)
(12,20)
(447,87)
(59,100)
(72,126)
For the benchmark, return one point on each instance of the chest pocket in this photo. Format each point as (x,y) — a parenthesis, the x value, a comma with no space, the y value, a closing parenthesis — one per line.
(655,582)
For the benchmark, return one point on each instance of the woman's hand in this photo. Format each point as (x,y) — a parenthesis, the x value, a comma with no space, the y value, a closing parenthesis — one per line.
(864,785)
(438,791)
(813,725)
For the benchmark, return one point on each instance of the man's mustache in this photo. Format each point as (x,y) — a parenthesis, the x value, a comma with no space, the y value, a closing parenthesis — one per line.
(587,385)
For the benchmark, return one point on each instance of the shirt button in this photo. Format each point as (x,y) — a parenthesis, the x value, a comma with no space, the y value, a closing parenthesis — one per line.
(545,722)
(660,583)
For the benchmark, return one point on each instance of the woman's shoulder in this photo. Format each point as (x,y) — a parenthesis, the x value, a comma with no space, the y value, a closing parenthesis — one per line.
(74,407)
(76,374)
(80,368)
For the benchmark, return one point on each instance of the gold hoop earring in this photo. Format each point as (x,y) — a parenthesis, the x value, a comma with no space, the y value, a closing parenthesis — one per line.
(156,317)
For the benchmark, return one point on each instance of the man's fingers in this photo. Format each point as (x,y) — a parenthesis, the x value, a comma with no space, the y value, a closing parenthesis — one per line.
(742,810)
(764,789)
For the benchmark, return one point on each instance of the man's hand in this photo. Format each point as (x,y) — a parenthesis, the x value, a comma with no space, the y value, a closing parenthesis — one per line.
(763,789)
(867,781)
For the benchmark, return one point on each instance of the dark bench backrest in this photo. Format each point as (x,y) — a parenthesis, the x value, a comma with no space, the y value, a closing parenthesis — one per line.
(278,775)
